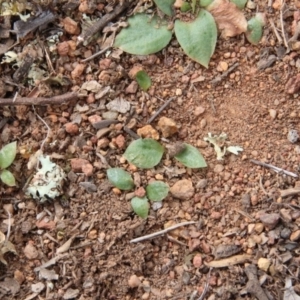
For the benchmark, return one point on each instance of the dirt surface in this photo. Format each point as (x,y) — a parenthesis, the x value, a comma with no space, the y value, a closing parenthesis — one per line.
(244,242)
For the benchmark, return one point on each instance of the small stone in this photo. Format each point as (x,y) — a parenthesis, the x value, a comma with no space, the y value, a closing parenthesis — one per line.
(77,164)
(273,113)
(222,66)
(71,128)
(178,92)
(293,136)
(37,287)
(134,70)
(216,215)
(259,227)
(270,220)
(251,4)
(199,110)
(251,228)
(285,233)
(178,3)
(295,236)
(120,141)
(78,70)
(183,189)
(134,281)
(145,296)
(94,119)
(285,215)
(140,192)
(203,123)
(63,48)
(201,184)
(246,200)
(103,143)
(19,276)
(87,169)
(30,251)
(110,115)
(71,26)
(197,261)
(93,234)
(132,88)
(148,132)
(167,126)
(194,244)
(70,294)
(218,168)
(263,264)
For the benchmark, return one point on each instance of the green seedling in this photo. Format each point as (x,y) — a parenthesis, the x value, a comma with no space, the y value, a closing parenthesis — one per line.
(7,156)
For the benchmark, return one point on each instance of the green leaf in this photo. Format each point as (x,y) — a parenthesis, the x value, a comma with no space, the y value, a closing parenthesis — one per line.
(204,3)
(144,153)
(255,29)
(194,2)
(8,178)
(143,36)
(143,80)
(191,157)
(185,7)
(157,190)
(239,3)
(166,6)
(198,38)
(8,154)
(140,206)
(120,178)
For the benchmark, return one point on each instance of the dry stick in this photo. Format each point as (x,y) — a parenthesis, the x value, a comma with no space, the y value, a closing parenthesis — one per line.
(160,109)
(96,54)
(158,233)
(253,287)
(276,31)
(276,169)
(282,26)
(99,25)
(61,99)
(218,79)
(206,286)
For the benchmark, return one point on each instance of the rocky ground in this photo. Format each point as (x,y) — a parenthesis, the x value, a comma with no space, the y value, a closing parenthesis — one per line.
(241,241)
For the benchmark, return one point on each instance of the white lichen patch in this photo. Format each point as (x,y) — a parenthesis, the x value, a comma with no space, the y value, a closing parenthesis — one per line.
(47,183)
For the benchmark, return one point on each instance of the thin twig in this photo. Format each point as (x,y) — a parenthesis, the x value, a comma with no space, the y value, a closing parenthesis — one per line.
(61,99)
(96,54)
(99,25)
(206,286)
(276,169)
(8,226)
(244,214)
(276,31)
(171,239)
(218,79)
(262,186)
(160,109)
(161,232)
(48,128)
(282,26)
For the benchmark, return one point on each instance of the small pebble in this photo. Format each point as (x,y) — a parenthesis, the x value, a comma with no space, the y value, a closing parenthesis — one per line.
(197,261)
(134,281)
(270,220)
(273,113)
(293,136)
(263,264)
(218,168)
(285,233)
(295,236)
(183,189)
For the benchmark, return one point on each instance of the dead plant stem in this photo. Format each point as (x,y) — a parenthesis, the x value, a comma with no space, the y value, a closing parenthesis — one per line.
(158,233)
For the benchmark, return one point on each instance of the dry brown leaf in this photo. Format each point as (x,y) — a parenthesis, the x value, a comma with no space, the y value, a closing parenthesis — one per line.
(230,20)
(234,260)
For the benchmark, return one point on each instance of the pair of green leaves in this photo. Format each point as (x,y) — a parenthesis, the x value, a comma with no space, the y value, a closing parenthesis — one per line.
(147,153)
(155,191)
(146,35)
(7,156)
